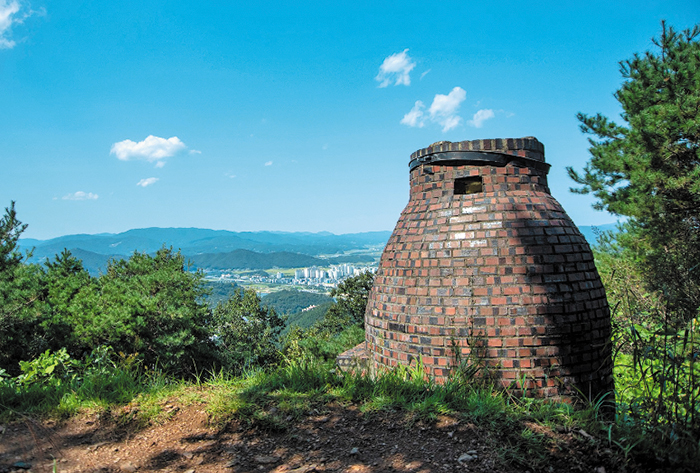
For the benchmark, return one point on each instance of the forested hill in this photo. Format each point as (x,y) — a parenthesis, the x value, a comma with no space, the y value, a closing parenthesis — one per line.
(291,301)
(244,259)
(212,249)
(194,241)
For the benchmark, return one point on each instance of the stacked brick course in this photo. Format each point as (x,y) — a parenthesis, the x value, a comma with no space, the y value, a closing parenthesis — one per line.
(483,257)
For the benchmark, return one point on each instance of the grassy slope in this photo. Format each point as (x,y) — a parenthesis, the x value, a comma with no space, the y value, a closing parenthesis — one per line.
(522,432)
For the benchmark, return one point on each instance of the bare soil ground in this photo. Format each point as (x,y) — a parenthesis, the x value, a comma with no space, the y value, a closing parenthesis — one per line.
(336,439)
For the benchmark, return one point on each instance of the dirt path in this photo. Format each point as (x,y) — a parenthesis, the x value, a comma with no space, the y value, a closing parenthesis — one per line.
(339,439)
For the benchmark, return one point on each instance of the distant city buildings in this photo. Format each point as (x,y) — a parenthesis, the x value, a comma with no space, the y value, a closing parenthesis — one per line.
(332,276)
(312,276)
(334,273)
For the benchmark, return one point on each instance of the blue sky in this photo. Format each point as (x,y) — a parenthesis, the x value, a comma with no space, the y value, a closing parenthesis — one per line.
(289,116)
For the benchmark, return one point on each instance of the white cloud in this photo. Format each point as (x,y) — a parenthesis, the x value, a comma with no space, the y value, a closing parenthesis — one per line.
(147,182)
(480,117)
(8,10)
(195,151)
(444,108)
(424,74)
(443,111)
(153,148)
(416,117)
(14,12)
(80,195)
(396,68)
(450,122)
(269,163)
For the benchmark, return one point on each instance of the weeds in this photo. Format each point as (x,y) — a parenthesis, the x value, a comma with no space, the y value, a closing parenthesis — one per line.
(656,366)
(274,399)
(56,385)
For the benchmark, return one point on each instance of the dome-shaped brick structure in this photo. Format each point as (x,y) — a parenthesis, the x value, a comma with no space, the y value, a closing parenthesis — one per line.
(483,252)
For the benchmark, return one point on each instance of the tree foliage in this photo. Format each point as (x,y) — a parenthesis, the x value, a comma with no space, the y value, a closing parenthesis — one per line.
(10,231)
(20,296)
(290,301)
(64,280)
(148,306)
(246,332)
(340,328)
(649,169)
(351,301)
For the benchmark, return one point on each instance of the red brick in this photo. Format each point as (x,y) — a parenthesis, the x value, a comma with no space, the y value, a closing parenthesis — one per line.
(515,241)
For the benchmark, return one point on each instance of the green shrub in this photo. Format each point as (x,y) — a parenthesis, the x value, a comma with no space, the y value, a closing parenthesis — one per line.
(320,344)
(48,369)
(656,361)
(56,384)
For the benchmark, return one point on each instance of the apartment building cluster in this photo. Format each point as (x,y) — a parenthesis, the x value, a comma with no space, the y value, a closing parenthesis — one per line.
(312,277)
(334,273)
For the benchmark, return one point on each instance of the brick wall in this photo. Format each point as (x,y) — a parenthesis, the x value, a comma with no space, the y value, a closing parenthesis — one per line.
(504,268)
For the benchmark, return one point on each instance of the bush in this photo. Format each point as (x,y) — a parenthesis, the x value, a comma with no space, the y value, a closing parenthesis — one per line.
(320,344)
(656,359)
(55,383)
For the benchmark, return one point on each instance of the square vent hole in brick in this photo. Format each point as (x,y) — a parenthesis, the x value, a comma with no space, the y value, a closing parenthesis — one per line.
(468,185)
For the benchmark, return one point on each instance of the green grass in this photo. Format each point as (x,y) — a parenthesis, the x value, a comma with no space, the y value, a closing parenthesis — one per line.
(274,399)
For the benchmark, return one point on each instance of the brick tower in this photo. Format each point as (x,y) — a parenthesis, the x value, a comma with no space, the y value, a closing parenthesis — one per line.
(484,256)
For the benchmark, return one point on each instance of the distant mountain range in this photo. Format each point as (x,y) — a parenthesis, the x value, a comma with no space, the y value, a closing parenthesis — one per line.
(214,249)
(193,241)
(221,249)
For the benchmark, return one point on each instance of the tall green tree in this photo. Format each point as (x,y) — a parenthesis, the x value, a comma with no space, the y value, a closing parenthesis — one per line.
(10,231)
(65,282)
(246,332)
(351,301)
(20,297)
(648,169)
